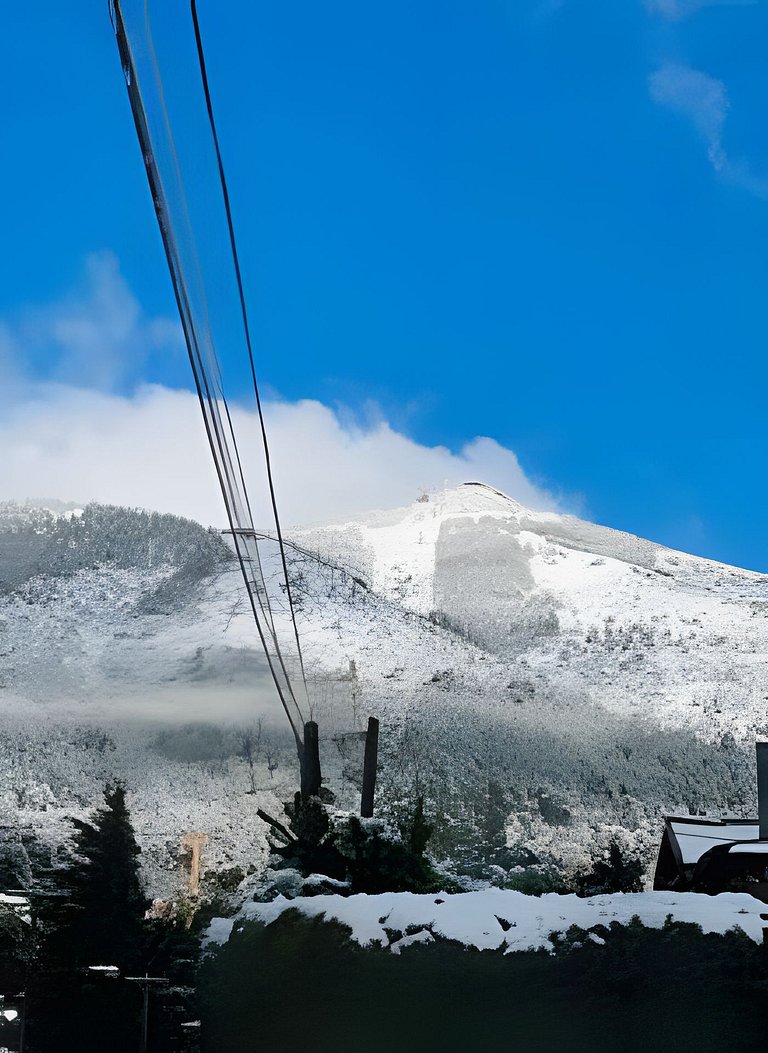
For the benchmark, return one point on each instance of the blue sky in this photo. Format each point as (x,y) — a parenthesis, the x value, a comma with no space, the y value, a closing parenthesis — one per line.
(542,222)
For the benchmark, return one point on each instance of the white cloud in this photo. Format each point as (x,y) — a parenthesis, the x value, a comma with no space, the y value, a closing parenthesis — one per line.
(703,100)
(97,335)
(65,434)
(150,450)
(700,98)
(679,9)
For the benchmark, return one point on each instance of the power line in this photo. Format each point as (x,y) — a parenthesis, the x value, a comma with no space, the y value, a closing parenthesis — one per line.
(244,312)
(164,172)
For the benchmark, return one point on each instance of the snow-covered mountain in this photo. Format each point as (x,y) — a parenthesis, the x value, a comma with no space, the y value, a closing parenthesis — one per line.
(546,684)
(642,629)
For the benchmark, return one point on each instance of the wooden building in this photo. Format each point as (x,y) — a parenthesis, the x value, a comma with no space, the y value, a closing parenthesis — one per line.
(718,855)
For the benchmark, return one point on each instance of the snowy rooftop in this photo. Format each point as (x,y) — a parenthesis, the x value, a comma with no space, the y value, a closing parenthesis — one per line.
(696,838)
(20,905)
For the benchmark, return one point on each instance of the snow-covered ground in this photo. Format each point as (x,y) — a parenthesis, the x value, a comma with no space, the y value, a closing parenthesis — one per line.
(499,918)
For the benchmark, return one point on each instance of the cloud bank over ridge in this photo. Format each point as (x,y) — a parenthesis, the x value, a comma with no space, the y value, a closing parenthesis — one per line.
(150,450)
(77,424)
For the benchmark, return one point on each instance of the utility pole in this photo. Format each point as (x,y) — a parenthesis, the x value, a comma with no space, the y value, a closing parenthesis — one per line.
(145,981)
(311,776)
(22,996)
(370,761)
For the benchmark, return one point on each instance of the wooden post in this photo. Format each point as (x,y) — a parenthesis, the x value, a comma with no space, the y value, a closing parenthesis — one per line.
(311,776)
(369,768)
(195,843)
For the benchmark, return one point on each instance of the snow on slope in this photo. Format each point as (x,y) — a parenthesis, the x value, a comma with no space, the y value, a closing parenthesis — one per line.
(546,602)
(136,649)
(642,629)
(493,918)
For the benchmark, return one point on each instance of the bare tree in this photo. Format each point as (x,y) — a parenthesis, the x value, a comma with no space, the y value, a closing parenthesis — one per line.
(249,738)
(239,608)
(270,753)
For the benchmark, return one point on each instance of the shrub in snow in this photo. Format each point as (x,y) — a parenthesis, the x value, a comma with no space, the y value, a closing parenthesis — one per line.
(17,944)
(287,882)
(15,869)
(616,873)
(313,849)
(366,855)
(535,880)
(380,858)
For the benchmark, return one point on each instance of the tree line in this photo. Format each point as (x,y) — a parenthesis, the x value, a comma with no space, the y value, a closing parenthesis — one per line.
(88,932)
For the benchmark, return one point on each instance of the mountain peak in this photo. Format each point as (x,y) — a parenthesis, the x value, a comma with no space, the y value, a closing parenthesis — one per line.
(480,497)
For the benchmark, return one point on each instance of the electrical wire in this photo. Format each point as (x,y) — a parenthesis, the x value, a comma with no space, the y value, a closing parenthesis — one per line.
(184,266)
(244,312)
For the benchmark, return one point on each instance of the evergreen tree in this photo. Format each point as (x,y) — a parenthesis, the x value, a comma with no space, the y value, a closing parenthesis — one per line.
(105,904)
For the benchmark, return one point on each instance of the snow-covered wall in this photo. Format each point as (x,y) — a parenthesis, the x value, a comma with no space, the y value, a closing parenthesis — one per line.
(499,918)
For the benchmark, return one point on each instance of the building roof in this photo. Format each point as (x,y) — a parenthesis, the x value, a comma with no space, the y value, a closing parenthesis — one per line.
(694,837)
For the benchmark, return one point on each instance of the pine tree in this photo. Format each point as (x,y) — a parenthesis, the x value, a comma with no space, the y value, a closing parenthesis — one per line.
(103,923)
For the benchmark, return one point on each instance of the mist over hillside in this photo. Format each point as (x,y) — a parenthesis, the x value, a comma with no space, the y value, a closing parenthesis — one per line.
(548,685)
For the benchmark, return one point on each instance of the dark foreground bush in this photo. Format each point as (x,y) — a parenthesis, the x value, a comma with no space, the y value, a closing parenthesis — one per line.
(77,1013)
(301,984)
